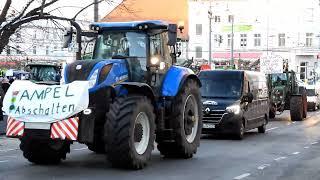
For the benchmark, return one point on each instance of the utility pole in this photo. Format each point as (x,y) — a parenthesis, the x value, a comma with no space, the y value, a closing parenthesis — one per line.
(210,16)
(232,41)
(95,11)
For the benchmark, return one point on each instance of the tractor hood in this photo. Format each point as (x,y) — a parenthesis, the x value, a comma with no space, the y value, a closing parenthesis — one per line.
(99,73)
(278,93)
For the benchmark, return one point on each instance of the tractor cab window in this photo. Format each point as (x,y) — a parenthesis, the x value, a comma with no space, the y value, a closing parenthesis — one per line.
(279,79)
(160,49)
(124,45)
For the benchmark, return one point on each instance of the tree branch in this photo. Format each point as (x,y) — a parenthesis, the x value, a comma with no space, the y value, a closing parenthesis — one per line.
(5,11)
(35,10)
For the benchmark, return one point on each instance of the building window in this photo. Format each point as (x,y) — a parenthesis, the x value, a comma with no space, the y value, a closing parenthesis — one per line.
(303,70)
(18,50)
(309,37)
(8,49)
(18,35)
(230,18)
(54,35)
(34,49)
(55,48)
(282,39)
(35,35)
(257,39)
(198,29)
(243,40)
(218,40)
(229,40)
(198,52)
(47,50)
(217,19)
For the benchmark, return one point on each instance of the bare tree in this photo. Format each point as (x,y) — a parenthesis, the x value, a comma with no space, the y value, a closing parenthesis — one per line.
(11,20)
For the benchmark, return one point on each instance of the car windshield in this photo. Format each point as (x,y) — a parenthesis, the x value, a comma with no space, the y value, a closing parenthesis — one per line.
(228,88)
(43,73)
(311,92)
(120,44)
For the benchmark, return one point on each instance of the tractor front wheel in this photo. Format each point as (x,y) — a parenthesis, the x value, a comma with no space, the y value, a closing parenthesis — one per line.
(44,151)
(130,132)
(186,122)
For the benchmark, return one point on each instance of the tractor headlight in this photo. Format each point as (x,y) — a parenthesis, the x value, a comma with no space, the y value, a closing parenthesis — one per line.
(93,78)
(155,60)
(233,109)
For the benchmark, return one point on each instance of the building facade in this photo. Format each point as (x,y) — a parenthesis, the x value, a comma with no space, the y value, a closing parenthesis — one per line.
(259,28)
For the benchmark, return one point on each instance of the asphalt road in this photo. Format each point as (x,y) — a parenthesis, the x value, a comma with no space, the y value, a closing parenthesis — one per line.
(289,150)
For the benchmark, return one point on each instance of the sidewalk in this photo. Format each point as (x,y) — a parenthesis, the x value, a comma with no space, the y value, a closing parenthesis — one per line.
(3,125)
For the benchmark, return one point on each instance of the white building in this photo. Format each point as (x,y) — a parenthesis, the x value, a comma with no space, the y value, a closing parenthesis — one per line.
(286,28)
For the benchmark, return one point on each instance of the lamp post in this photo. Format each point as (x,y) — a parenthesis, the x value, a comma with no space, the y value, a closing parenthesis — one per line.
(210,16)
(232,41)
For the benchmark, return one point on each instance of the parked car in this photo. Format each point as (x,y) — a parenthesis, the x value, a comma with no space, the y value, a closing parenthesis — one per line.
(313,98)
(234,101)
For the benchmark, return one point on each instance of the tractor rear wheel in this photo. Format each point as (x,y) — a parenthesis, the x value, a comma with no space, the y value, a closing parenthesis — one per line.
(186,122)
(44,151)
(130,132)
(296,108)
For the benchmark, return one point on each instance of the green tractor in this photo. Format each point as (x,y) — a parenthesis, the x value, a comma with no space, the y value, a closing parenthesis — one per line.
(286,94)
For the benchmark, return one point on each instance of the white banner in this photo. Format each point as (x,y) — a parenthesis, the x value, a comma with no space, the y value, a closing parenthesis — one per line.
(29,102)
(271,64)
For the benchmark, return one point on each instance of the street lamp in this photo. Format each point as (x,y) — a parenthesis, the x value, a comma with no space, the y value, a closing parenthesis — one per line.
(232,41)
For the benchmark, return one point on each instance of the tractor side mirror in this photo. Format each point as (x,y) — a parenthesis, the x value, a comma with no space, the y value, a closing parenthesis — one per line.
(172,34)
(248,98)
(67,38)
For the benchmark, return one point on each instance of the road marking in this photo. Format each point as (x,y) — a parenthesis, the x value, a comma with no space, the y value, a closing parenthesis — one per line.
(263,166)
(306,147)
(280,158)
(7,150)
(296,153)
(293,122)
(242,176)
(80,149)
(4,161)
(314,143)
(272,128)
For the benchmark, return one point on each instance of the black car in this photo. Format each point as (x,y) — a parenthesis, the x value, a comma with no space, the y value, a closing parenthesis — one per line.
(234,101)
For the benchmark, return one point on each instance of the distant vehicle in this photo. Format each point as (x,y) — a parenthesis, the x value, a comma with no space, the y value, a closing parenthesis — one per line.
(287,94)
(44,73)
(313,98)
(234,101)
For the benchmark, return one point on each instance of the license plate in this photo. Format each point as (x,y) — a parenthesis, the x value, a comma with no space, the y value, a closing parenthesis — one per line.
(209,126)
(33,125)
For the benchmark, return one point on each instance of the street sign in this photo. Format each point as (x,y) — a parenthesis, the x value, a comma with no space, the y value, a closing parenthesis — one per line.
(271,64)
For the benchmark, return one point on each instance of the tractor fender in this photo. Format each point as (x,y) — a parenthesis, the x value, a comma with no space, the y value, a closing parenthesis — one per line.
(138,88)
(175,78)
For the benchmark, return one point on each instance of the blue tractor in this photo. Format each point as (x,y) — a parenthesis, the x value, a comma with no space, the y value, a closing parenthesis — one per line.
(137,96)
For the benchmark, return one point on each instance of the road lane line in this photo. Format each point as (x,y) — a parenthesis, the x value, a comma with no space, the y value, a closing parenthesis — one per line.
(296,153)
(242,176)
(263,166)
(4,161)
(280,158)
(306,147)
(80,149)
(272,128)
(314,143)
(7,150)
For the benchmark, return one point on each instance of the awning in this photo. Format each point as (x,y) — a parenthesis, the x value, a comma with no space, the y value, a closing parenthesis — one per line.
(242,55)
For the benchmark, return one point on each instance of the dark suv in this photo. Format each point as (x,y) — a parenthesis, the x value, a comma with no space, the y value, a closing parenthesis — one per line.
(234,101)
